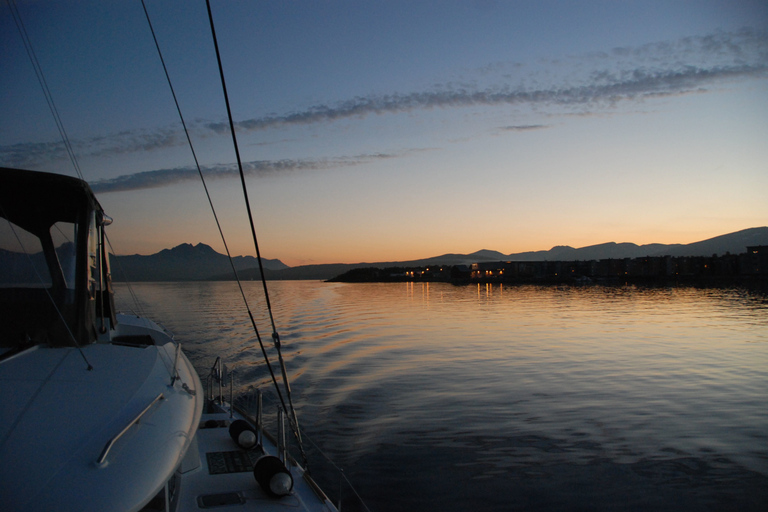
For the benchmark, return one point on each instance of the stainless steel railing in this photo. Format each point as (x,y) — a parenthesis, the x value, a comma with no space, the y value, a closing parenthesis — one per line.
(103,457)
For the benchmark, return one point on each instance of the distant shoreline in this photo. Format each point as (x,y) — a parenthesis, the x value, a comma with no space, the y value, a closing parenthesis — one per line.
(746,269)
(200,262)
(754,283)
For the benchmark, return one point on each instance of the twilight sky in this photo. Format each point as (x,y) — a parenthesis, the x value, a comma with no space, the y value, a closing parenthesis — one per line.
(396,130)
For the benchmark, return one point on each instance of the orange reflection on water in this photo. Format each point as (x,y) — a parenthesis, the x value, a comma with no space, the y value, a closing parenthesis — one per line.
(634,370)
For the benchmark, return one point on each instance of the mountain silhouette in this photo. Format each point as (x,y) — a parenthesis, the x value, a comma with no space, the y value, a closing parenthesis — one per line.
(186,262)
(734,243)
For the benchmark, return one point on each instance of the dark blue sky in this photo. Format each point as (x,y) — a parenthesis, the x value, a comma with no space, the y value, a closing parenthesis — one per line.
(399,130)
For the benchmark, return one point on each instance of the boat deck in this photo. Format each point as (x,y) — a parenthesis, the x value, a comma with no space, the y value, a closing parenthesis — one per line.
(218,475)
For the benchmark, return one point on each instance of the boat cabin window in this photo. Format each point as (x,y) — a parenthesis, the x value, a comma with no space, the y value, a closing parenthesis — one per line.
(94,267)
(22,263)
(37,283)
(64,236)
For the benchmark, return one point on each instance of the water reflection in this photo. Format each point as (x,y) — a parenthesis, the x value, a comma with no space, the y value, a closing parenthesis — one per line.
(527,387)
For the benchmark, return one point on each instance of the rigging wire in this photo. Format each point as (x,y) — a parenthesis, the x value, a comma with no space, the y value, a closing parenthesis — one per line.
(44,85)
(139,309)
(47,291)
(27,41)
(293,421)
(341,472)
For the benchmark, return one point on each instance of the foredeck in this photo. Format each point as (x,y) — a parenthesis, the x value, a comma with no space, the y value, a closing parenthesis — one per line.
(221,477)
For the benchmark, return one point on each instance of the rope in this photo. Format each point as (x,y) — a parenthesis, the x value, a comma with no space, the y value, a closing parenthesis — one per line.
(44,85)
(293,420)
(341,472)
(139,309)
(224,241)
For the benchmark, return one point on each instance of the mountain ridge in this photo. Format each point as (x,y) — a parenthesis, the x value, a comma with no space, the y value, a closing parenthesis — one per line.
(202,262)
(185,262)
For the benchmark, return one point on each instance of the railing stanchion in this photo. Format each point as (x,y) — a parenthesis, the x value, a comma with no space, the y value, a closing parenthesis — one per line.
(259,424)
(220,377)
(281,448)
(231,394)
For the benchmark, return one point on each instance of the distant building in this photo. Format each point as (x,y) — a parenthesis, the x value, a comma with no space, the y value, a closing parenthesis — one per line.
(756,261)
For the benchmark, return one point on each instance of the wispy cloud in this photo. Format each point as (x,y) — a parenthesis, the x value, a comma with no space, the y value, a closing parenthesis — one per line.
(607,89)
(689,65)
(165,177)
(586,85)
(131,141)
(32,154)
(524,127)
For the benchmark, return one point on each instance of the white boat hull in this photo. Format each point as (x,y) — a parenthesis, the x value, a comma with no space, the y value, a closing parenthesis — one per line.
(59,417)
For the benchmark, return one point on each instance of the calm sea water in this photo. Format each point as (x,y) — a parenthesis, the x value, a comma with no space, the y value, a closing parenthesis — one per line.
(434,397)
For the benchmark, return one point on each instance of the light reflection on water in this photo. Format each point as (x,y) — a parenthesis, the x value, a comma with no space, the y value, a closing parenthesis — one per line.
(554,398)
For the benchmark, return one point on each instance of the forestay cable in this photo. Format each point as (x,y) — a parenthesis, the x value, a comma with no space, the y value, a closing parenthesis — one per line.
(139,311)
(292,417)
(44,85)
(16,15)
(275,336)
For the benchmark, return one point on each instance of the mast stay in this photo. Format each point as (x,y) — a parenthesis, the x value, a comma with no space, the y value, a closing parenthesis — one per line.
(289,408)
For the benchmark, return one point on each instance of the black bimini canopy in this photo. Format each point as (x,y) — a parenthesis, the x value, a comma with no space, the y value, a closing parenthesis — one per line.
(50,288)
(37,200)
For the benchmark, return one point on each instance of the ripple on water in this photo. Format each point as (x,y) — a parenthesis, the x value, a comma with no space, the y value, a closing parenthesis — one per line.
(507,398)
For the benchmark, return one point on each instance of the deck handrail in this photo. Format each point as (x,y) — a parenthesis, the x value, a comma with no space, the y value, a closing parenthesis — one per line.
(111,442)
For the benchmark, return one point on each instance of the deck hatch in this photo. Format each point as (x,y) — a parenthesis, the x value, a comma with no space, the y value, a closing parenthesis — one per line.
(134,340)
(220,463)
(220,500)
